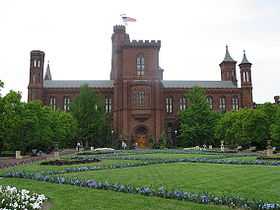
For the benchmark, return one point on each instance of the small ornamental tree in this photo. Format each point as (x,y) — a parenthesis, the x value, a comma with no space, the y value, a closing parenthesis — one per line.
(197,122)
(88,110)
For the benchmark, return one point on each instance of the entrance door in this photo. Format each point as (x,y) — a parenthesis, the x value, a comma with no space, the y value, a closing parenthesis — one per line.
(141,137)
(141,141)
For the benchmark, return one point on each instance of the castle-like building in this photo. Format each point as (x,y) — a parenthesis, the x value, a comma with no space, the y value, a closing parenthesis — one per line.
(141,103)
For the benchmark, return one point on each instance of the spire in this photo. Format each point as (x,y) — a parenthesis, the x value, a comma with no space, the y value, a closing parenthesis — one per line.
(228,58)
(244,60)
(48,75)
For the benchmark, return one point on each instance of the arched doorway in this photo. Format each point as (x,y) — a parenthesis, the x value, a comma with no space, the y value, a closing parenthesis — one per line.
(141,137)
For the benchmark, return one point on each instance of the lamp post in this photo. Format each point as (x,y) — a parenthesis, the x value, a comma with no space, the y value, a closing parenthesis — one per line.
(112,136)
(175,132)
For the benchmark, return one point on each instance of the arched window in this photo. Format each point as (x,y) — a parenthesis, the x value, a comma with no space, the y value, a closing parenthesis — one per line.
(34,63)
(169,104)
(66,103)
(223,104)
(210,101)
(182,103)
(235,103)
(108,104)
(52,103)
(140,65)
(140,97)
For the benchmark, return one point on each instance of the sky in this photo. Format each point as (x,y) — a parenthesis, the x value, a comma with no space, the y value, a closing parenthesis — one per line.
(76,37)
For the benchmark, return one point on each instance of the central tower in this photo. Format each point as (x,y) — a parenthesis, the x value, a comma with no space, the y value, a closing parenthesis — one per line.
(137,75)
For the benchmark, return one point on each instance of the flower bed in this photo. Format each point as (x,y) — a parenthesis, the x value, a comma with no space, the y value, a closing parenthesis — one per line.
(70,162)
(13,199)
(203,198)
(274,157)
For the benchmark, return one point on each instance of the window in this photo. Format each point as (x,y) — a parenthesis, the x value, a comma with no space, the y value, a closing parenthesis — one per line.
(66,105)
(223,104)
(235,103)
(140,65)
(182,103)
(108,104)
(39,63)
(169,104)
(140,96)
(210,101)
(53,103)
(34,63)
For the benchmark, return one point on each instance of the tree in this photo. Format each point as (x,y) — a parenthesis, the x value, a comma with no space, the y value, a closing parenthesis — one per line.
(275,129)
(88,110)
(197,121)
(245,127)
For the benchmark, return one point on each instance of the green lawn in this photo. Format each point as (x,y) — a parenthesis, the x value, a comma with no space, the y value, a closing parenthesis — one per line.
(66,197)
(255,182)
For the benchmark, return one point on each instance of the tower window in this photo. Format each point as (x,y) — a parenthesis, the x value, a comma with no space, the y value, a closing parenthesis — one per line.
(140,65)
(210,101)
(182,103)
(66,104)
(235,103)
(39,63)
(223,104)
(108,104)
(140,97)
(35,63)
(52,103)
(169,104)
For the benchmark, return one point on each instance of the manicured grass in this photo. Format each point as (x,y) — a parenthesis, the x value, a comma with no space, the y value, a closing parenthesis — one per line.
(66,197)
(254,182)
(36,167)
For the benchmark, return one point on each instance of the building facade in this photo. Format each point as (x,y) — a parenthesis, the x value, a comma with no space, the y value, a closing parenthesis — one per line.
(141,103)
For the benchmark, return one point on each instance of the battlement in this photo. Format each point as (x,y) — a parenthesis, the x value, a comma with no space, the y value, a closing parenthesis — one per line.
(142,44)
(119,29)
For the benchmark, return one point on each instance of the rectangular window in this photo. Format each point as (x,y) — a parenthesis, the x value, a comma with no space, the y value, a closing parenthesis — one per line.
(182,104)
(169,104)
(108,104)
(66,104)
(222,104)
(52,103)
(140,98)
(235,103)
(140,65)
(210,102)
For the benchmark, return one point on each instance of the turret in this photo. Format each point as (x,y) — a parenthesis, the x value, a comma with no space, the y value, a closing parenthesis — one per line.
(35,87)
(48,75)
(228,68)
(246,81)
(119,38)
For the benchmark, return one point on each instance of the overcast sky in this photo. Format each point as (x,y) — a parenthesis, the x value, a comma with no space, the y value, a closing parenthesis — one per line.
(76,37)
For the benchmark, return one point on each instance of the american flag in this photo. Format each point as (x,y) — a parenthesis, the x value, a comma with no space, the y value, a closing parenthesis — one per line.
(127,19)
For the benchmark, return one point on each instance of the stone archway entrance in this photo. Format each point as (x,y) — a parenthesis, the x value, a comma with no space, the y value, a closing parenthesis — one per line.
(141,137)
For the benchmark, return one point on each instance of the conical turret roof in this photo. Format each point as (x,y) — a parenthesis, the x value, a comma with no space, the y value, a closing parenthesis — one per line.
(228,58)
(48,75)
(244,60)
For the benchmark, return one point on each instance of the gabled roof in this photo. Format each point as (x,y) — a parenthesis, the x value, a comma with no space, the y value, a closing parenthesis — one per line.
(78,83)
(203,84)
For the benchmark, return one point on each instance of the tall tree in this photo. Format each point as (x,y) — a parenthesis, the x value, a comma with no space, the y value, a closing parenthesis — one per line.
(197,121)
(88,110)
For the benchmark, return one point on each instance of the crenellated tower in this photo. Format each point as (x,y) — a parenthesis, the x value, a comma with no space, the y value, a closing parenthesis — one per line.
(35,87)
(228,68)
(246,81)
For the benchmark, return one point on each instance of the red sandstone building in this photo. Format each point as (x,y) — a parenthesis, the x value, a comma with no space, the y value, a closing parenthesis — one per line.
(142,104)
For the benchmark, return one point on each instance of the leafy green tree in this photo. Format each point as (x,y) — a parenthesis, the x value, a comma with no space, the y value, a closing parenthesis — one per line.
(275,129)
(197,122)
(245,127)
(88,110)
